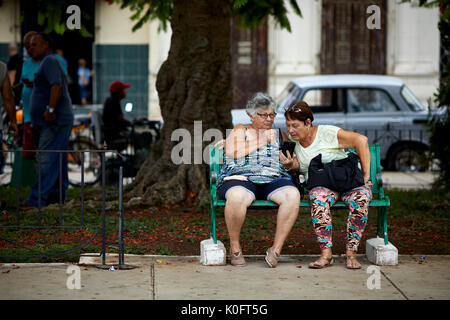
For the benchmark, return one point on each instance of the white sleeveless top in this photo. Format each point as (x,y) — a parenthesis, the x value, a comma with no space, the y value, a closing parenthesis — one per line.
(326,142)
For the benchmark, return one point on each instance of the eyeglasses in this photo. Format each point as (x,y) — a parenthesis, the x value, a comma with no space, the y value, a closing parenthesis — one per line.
(267,115)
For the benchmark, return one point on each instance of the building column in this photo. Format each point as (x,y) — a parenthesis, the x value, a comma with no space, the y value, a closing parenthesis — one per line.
(9,27)
(159,50)
(413,47)
(296,53)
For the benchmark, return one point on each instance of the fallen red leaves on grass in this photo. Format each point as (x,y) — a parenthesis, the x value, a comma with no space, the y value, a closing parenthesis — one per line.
(180,228)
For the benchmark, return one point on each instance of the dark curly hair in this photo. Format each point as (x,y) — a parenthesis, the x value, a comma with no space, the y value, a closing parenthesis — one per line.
(299,111)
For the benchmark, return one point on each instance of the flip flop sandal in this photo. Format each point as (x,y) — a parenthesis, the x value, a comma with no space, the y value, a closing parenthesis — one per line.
(352,258)
(329,263)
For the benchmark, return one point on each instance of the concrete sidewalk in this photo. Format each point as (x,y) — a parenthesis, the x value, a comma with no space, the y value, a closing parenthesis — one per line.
(408,180)
(184,278)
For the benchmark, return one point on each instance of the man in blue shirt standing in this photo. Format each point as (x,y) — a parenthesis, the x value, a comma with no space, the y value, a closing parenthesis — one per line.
(51,110)
(29,68)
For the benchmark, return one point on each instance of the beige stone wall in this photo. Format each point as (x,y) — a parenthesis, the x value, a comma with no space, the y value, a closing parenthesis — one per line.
(113,26)
(9,21)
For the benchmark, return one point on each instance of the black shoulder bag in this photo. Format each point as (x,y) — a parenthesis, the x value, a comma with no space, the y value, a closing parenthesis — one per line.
(338,175)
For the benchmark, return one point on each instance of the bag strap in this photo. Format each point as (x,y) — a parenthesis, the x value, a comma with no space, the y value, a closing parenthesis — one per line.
(327,168)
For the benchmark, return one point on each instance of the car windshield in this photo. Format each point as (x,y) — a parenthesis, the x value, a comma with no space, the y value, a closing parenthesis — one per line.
(288,96)
(411,99)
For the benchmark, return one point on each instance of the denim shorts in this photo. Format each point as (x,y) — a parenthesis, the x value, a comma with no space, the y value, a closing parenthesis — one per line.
(84,92)
(260,191)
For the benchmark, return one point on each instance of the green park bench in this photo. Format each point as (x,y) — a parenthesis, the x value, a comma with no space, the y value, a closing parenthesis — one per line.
(379,199)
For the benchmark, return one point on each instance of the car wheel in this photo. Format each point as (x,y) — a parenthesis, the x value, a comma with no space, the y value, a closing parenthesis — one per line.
(408,158)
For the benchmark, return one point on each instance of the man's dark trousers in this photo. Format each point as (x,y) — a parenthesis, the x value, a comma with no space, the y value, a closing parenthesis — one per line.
(53,137)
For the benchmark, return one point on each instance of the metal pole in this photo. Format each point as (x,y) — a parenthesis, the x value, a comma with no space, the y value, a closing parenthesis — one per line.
(18,188)
(39,188)
(82,188)
(103,211)
(60,189)
(121,248)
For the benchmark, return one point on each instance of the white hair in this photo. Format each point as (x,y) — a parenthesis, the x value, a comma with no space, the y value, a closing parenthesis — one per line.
(260,100)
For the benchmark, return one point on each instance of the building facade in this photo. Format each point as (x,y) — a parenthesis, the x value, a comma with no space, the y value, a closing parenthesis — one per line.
(411,48)
(331,37)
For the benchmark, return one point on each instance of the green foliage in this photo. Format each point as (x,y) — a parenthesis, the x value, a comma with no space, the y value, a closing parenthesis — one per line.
(440,149)
(440,124)
(145,10)
(250,13)
(162,234)
(161,250)
(19,255)
(52,14)
(422,202)
(425,3)
(136,249)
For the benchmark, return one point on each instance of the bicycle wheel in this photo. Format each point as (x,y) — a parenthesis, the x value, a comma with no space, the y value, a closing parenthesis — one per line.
(91,162)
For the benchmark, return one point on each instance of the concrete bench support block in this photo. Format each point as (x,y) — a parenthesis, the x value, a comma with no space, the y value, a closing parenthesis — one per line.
(380,254)
(212,254)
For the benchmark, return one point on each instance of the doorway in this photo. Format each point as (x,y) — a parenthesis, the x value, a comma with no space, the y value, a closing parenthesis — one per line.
(249,62)
(348,46)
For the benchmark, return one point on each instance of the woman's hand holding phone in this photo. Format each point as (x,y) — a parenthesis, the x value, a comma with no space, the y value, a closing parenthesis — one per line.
(289,162)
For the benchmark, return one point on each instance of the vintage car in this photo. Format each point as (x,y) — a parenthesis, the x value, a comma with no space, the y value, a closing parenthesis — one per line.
(381,107)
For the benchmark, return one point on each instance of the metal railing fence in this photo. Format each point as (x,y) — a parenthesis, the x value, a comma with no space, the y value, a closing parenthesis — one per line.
(99,229)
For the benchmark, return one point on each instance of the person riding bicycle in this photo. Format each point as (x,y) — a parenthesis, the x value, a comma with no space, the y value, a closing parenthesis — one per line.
(115,126)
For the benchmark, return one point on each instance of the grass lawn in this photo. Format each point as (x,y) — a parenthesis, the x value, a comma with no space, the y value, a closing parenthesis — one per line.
(418,223)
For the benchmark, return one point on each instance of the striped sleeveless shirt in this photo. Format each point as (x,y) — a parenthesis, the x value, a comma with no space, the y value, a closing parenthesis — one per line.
(260,166)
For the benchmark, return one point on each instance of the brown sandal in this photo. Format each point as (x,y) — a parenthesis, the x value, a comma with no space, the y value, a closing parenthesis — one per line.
(329,263)
(352,258)
(237,259)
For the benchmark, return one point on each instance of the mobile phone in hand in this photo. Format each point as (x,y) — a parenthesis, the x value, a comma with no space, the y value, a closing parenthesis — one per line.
(288,146)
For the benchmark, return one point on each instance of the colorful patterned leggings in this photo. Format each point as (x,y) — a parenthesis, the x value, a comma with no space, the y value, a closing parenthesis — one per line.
(322,199)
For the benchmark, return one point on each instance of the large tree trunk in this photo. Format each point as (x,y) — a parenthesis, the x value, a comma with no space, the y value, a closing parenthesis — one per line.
(193,84)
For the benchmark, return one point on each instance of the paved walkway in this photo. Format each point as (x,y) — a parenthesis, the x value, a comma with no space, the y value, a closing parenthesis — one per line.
(184,278)
(408,180)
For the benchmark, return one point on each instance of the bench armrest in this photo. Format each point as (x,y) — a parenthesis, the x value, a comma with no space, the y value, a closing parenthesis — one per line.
(379,180)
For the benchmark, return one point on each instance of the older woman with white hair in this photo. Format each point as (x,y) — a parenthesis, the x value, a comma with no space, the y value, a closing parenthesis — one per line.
(252,171)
